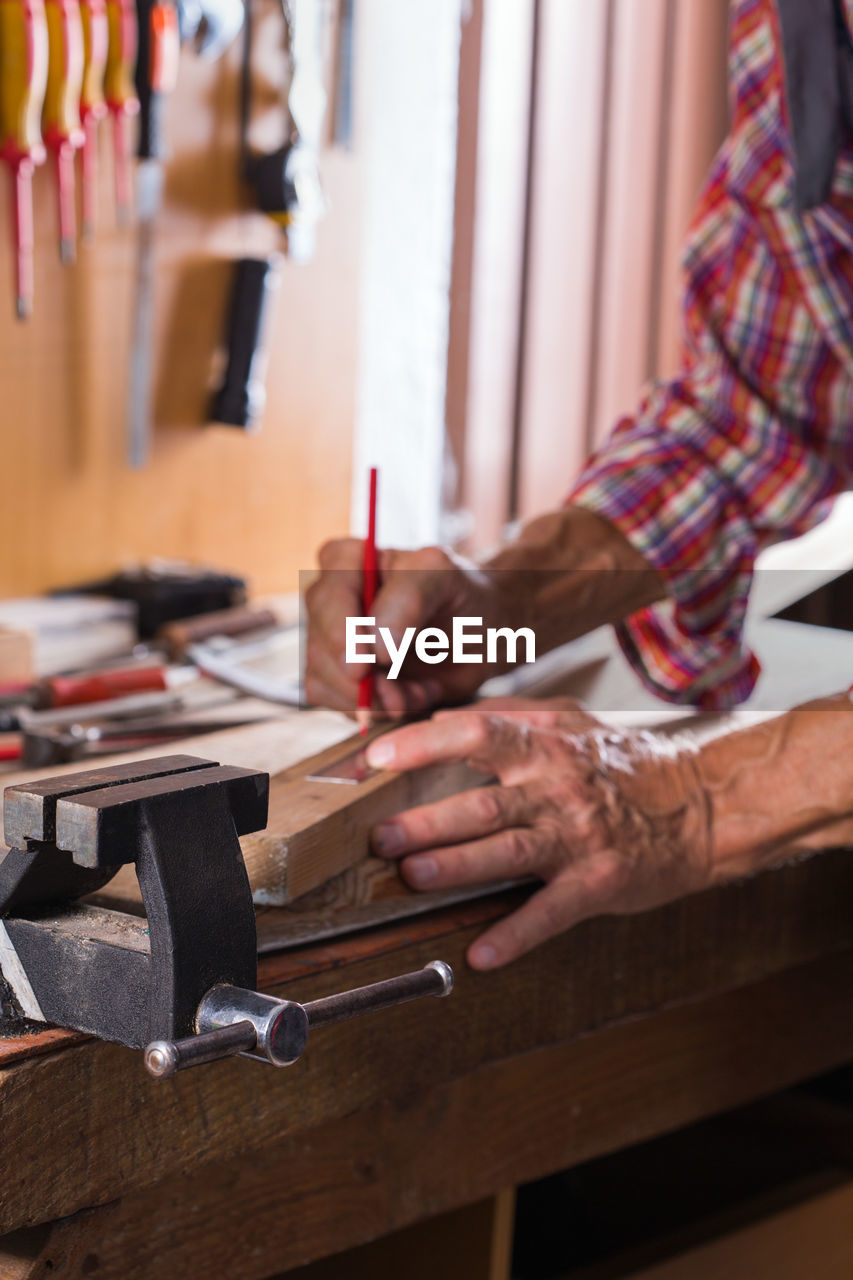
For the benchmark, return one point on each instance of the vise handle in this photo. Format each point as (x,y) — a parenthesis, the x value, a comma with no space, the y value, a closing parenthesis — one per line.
(232,1020)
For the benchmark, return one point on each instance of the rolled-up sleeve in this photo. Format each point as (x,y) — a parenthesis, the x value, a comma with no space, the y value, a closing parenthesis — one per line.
(753,440)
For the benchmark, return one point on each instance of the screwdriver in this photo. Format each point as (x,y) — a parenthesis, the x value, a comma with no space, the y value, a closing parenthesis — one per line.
(93,107)
(23,80)
(121,94)
(156,76)
(61,118)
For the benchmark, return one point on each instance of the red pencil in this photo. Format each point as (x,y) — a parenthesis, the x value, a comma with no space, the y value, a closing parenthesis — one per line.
(370,581)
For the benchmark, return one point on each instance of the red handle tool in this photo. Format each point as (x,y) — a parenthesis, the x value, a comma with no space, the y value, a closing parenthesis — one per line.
(23,40)
(93,106)
(63,132)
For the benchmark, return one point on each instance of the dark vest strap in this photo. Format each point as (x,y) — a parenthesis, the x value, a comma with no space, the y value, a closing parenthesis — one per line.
(817,63)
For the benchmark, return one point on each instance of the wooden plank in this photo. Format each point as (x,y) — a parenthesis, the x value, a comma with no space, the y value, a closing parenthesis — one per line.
(318,829)
(56,1160)
(443,1142)
(315,829)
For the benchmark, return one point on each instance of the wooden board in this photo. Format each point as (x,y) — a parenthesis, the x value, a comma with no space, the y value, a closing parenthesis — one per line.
(318,829)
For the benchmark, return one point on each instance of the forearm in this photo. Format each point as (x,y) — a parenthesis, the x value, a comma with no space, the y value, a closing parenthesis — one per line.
(779,786)
(570,571)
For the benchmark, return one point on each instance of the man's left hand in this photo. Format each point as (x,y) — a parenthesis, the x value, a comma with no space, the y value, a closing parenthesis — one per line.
(611,821)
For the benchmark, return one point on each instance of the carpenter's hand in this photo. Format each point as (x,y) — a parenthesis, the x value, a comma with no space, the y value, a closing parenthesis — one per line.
(612,822)
(419,589)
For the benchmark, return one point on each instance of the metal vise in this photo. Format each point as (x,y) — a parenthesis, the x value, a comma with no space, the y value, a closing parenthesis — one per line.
(182,980)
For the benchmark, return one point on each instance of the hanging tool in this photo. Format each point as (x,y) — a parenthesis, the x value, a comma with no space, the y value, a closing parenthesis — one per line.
(182,980)
(23,81)
(211,26)
(156,76)
(344,57)
(240,398)
(120,93)
(93,106)
(286,182)
(61,126)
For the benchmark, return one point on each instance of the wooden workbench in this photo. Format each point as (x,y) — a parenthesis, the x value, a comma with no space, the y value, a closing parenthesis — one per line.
(618,1031)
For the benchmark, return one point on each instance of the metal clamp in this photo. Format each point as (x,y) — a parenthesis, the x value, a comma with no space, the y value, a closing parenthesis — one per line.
(231,1020)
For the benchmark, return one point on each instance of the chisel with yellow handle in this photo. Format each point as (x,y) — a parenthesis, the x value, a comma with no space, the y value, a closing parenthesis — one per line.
(120,92)
(23,80)
(93,106)
(63,133)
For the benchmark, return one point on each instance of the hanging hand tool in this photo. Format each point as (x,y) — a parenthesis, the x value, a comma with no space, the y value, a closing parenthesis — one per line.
(93,106)
(240,397)
(286,182)
(120,93)
(211,26)
(156,75)
(23,81)
(180,982)
(63,133)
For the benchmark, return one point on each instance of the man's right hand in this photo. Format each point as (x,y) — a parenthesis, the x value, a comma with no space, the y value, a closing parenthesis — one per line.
(562,575)
(424,588)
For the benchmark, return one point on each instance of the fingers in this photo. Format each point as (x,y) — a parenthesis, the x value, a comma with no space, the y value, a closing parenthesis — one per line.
(329,682)
(490,743)
(456,819)
(333,597)
(509,855)
(574,896)
(556,713)
(399,698)
(415,585)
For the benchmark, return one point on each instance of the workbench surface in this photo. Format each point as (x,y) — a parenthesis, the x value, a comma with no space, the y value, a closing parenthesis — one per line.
(620,1030)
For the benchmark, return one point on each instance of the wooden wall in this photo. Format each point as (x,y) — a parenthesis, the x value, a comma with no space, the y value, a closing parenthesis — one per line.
(259,505)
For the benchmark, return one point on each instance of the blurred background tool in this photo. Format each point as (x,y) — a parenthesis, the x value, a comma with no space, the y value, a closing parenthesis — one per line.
(120,93)
(93,106)
(69,632)
(211,26)
(286,182)
(240,398)
(41,747)
(165,591)
(343,99)
(156,76)
(23,81)
(63,134)
(95,686)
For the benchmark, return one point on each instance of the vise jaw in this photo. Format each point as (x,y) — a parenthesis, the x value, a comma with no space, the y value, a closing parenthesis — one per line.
(112,974)
(180,981)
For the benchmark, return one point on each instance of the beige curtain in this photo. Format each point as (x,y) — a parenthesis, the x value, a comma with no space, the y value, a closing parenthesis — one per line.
(629,107)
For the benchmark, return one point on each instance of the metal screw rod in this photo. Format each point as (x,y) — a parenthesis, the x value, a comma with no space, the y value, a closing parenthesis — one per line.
(233,1020)
(164,1057)
(435,979)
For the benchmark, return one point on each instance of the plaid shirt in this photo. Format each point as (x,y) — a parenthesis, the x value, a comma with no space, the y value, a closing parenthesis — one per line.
(754,438)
